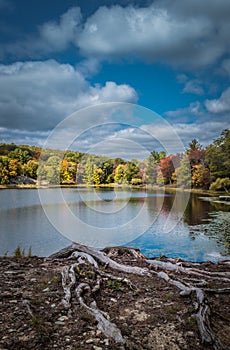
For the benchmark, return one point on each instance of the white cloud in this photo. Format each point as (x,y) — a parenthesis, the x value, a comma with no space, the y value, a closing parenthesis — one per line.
(193,87)
(194,122)
(151,33)
(38,95)
(221,105)
(194,110)
(58,35)
(52,36)
(189,33)
(133,142)
(205,131)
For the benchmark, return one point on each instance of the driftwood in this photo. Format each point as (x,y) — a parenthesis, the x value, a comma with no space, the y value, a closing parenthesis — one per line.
(189,279)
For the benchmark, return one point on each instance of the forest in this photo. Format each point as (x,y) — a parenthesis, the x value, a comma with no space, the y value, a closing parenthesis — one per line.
(198,167)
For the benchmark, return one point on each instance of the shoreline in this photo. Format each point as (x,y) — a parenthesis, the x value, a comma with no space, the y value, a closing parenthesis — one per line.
(112,185)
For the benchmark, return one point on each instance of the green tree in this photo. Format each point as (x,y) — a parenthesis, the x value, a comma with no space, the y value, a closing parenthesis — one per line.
(182,175)
(217,156)
(98,175)
(53,168)
(31,168)
(53,175)
(80,177)
(153,166)
(107,167)
(119,174)
(221,184)
(74,157)
(89,172)
(194,145)
(131,171)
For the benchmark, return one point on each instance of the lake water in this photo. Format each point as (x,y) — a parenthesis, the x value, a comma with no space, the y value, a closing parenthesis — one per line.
(194,228)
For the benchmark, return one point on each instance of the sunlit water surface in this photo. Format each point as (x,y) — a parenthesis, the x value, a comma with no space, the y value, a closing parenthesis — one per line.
(134,218)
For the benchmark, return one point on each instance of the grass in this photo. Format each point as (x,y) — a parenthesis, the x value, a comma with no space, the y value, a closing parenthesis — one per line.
(115,285)
(20,253)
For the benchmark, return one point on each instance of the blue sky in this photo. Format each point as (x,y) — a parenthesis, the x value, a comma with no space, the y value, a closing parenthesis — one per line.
(171,57)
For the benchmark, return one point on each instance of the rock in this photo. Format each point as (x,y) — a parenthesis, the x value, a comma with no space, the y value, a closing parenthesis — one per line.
(190,334)
(60,323)
(113,300)
(22,180)
(62,318)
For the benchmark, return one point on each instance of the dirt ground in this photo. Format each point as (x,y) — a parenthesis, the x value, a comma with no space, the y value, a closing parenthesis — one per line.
(149,312)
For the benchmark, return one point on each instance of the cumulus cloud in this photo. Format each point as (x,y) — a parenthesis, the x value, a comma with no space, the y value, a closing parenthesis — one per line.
(151,33)
(38,95)
(59,34)
(189,33)
(52,36)
(221,105)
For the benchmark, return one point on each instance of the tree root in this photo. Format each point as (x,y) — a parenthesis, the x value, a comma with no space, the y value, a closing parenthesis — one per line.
(108,328)
(192,282)
(100,256)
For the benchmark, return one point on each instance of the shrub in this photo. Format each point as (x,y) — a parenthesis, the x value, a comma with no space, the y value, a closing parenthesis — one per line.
(221,184)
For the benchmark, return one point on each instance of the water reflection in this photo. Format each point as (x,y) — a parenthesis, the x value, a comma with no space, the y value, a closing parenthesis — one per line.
(202,234)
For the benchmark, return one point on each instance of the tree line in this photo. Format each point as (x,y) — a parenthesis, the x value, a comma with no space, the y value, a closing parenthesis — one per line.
(197,167)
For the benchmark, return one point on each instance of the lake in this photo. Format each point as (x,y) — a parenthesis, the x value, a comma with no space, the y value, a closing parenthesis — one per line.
(187,226)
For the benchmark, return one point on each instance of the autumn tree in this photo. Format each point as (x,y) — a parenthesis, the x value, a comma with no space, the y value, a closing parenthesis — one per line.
(167,169)
(14,168)
(31,168)
(4,174)
(200,176)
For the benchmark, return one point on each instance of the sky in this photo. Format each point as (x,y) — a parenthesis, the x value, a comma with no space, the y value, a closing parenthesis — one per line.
(169,59)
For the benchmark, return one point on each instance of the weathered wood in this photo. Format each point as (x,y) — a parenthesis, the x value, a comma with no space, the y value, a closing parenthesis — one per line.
(102,257)
(191,282)
(103,324)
